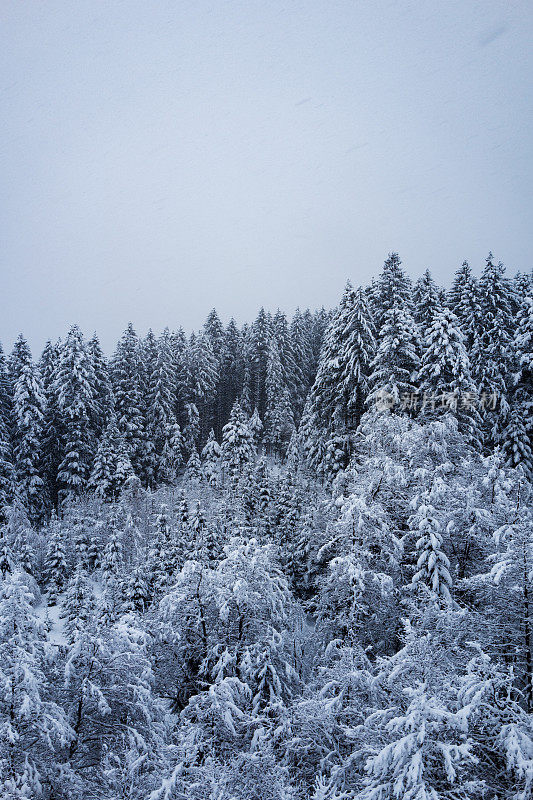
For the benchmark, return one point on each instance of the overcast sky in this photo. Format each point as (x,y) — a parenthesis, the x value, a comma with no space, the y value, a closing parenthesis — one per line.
(161,158)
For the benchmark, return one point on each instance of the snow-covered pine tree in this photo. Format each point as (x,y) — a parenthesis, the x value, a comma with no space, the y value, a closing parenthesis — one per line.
(492,349)
(102,386)
(336,400)
(193,468)
(237,443)
(211,454)
(56,563)
(394,369)
(279,420)
(463,301)
(28,433)
(427,300)
(518,434)
(444,376)
(433,565)
(7,474)
(112,466)
(75,391)
(127,377)
(256,426)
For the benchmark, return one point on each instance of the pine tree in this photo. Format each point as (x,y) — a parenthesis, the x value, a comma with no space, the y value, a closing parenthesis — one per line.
(279,421)
(78,603)
(193,468)
(427,300)
(112,466)
(51,451)
(395,367)
(237,443)
(126,375)
(211,459)
(444,377)
(56,564)
(28,434)
(336,401)
(103,401)
(7,475)
(391,290)
(463,301)
(492,349)
(256,427)
(432,566)
(74,387)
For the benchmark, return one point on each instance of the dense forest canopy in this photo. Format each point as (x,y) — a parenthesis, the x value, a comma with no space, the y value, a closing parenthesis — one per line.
(287,560)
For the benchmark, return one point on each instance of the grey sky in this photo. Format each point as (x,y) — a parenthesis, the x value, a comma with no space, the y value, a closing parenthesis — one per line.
(161,158)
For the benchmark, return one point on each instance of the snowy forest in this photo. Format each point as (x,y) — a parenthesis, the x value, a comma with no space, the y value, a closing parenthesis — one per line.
(286,560)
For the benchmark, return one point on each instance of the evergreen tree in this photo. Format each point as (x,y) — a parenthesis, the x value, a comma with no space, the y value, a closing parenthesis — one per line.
(126,374)
(28,415)
(279,421)
(56,564)
(237,443)
(444,376)
(464,302)
(427,300)
(112,466)
(395,367)
(492,349)
(211,459)
(193,468)
(432,566)
(7,476)
(74,387)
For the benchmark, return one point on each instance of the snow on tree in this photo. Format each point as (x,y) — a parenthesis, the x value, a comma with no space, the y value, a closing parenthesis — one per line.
(211,454)
(127,380)
(279,420)
(112,466)
(256,426)
(444,376)
(237,443)
(426,754)
(193,468)
(74,386)
(394,375)
(492,349)
(28,417)
(432,566)
(427,300)
(33,728)
(56,563)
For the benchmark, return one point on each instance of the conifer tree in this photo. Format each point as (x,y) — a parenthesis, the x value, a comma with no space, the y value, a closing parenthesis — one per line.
(279,421)
(112,466)
(56,564)
(464,302)
(7,476)
(211,453)
(444,377)
(395,366)
(28,434)
(74,387)
(237,443)
(492,349)
(427,300)
(432,566)
(193,468)
(126,375)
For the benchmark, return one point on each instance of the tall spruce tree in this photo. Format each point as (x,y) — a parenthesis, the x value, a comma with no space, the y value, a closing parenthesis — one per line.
(75,392)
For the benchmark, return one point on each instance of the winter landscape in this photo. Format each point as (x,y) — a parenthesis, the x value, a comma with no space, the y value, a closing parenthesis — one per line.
(291,559)
(266,400)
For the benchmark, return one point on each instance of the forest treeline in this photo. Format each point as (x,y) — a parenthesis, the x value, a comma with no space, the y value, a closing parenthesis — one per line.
(284,561)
